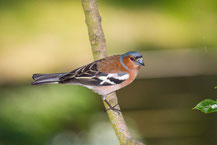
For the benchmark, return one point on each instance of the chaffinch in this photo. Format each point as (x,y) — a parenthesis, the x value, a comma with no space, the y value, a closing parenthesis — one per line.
(103,76)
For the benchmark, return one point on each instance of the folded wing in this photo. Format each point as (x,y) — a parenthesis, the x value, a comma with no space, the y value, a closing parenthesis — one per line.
(90,75)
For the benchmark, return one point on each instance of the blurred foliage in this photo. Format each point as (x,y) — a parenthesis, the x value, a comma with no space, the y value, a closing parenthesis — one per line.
(31,114)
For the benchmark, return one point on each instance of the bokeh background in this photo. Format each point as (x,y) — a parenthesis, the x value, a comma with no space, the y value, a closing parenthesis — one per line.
(178,40)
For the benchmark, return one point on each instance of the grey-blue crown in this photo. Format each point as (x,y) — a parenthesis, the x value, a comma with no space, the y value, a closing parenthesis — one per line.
(133,53)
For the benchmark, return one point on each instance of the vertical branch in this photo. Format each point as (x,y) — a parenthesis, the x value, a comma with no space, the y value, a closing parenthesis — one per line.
(98,45)
(96,35)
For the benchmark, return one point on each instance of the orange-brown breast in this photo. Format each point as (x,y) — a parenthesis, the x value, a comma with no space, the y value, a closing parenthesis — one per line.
(132,75)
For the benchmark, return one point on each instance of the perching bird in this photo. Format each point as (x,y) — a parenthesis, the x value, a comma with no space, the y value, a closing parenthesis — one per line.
(103,76)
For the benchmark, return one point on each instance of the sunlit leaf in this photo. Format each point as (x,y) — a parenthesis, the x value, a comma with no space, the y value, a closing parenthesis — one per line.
(207,106)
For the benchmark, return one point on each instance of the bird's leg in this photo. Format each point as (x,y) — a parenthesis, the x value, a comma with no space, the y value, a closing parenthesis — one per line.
(111,107)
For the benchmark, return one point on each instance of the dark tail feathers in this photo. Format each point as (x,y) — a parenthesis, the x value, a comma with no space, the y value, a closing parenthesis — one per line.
(46,78)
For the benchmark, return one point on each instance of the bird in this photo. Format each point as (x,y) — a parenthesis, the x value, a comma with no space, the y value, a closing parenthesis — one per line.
(103,76)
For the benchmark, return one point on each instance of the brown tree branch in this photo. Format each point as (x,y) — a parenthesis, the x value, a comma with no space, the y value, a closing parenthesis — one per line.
(98,45)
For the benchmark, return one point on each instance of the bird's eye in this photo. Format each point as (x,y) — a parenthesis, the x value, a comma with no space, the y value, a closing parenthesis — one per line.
(132,58)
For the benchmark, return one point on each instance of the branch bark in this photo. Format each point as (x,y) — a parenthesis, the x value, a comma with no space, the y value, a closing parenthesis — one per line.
(98,45)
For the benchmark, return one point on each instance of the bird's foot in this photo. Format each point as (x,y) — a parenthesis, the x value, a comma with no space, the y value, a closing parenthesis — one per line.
(112,107)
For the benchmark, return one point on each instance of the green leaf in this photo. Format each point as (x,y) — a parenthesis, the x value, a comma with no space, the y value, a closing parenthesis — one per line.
(207,106)
(215,87)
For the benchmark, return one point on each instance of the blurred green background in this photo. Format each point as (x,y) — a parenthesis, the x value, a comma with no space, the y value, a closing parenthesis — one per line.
(178,42)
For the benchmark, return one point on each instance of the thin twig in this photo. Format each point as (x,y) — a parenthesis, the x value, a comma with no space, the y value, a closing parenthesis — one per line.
(98,45)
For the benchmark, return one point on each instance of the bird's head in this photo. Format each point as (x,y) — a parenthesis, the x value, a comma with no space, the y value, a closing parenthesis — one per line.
(131,60)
